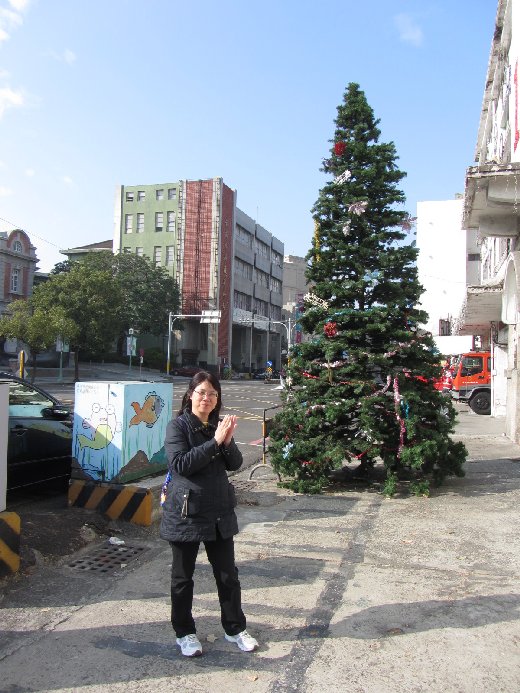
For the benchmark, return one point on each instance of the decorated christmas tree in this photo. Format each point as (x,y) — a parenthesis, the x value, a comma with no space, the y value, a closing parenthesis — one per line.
(360,394)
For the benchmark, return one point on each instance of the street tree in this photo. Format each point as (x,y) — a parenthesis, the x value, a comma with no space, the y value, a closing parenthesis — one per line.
(37,328)
(149,292)
(360,393)
(92,299)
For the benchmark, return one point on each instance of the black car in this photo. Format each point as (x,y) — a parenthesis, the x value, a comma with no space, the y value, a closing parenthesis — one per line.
(186,371)
(39,445)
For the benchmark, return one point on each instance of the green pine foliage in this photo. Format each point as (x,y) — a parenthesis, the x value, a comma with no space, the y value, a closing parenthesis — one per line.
(361,391)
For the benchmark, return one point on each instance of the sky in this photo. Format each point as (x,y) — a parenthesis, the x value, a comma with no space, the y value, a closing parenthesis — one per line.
(104,93)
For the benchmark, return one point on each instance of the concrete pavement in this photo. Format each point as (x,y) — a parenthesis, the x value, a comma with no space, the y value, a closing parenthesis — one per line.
(346,591)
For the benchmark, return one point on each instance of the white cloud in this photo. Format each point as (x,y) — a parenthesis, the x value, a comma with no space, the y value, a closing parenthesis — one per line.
(67,180)
(67,56)
(4,74)
(5,192)
(19,5)
(9,98)
(29,172)
(8,21)
(409,30)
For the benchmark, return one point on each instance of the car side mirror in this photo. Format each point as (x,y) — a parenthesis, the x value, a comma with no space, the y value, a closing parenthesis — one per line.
(59,413)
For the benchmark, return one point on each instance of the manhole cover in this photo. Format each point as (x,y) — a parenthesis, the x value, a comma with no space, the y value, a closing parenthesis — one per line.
(107,559)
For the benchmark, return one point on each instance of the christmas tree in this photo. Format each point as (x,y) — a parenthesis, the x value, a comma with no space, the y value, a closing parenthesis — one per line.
(360,395)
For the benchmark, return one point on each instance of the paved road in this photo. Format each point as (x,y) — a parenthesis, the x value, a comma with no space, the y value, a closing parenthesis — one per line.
(245,398)
(345,591)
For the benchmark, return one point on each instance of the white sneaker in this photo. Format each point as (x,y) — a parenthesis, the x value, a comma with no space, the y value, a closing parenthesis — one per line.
(245,642)
(190,645)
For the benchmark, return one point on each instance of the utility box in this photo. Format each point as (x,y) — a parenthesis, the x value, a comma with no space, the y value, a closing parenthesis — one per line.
(119,430)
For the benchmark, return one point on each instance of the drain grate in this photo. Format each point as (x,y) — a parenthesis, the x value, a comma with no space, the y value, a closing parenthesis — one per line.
(107,559)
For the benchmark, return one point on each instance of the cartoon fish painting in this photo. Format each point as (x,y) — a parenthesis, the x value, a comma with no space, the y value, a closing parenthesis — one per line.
(149,412)
(103,425)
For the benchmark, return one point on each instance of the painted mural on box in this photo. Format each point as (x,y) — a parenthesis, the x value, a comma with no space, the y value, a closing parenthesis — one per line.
(119,430)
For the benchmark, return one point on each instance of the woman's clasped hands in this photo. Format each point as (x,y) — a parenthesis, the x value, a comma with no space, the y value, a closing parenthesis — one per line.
(225,429)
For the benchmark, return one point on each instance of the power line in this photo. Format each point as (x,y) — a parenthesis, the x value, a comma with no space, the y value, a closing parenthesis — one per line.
(31,233)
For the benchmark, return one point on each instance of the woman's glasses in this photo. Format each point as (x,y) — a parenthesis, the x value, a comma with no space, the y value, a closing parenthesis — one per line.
(210,395)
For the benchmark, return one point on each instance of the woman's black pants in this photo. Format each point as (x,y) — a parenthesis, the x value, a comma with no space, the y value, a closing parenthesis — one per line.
(221,555)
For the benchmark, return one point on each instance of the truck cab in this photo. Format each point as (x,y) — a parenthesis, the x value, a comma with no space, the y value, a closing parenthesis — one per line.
(472,381)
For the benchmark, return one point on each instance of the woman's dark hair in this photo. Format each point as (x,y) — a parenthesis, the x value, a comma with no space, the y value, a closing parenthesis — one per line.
(197,379)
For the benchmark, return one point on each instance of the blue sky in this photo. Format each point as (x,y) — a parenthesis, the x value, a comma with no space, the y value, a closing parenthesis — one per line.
(107,92)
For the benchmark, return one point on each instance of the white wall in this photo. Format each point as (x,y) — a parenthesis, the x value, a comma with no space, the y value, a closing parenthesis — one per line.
(441,264)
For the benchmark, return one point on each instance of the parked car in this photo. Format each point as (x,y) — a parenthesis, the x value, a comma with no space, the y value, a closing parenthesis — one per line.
(39,445)
(187,371)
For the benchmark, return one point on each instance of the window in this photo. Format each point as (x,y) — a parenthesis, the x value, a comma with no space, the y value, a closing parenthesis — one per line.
(262,279)
(276,258)
(15,280)
(169,255)
(140,223)
(172,193)
(17,247)
(262,249)
(275,285)
(243,269)
(170,220)
(26,401)
(139,252)
(241,300)
(129,220)
(127,250)
(129,196)
(158,221)
(244,236)
(141,195)
(260,307)
(473,257)
(157,252)
(159,194)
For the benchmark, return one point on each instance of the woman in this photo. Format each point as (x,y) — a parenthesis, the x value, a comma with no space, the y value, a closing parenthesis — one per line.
(199,506)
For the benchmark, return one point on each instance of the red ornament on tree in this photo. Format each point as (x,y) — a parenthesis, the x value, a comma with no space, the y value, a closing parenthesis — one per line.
(339,148)
(330,329)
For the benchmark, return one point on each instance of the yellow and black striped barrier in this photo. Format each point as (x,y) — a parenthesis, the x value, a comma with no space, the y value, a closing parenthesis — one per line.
(9,543)
(116,501)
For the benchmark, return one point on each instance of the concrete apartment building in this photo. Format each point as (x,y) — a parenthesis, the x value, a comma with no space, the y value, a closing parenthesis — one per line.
(491,212)
(295,286)
(222,259)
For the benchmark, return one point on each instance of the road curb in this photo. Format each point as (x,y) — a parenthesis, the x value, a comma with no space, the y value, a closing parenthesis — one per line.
(116,501)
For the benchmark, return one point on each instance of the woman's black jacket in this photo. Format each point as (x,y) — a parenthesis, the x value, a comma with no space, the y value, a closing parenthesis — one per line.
(199,497)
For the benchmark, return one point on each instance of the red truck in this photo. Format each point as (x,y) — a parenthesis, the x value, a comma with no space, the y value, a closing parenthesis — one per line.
(472,380)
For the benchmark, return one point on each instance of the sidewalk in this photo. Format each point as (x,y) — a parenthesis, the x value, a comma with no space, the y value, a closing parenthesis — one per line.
(100,371)
(346,591)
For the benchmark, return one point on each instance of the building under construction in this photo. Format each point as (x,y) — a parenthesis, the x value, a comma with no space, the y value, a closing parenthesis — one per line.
(222,260)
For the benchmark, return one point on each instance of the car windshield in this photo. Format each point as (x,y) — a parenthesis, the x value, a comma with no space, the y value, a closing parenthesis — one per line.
(26,401)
